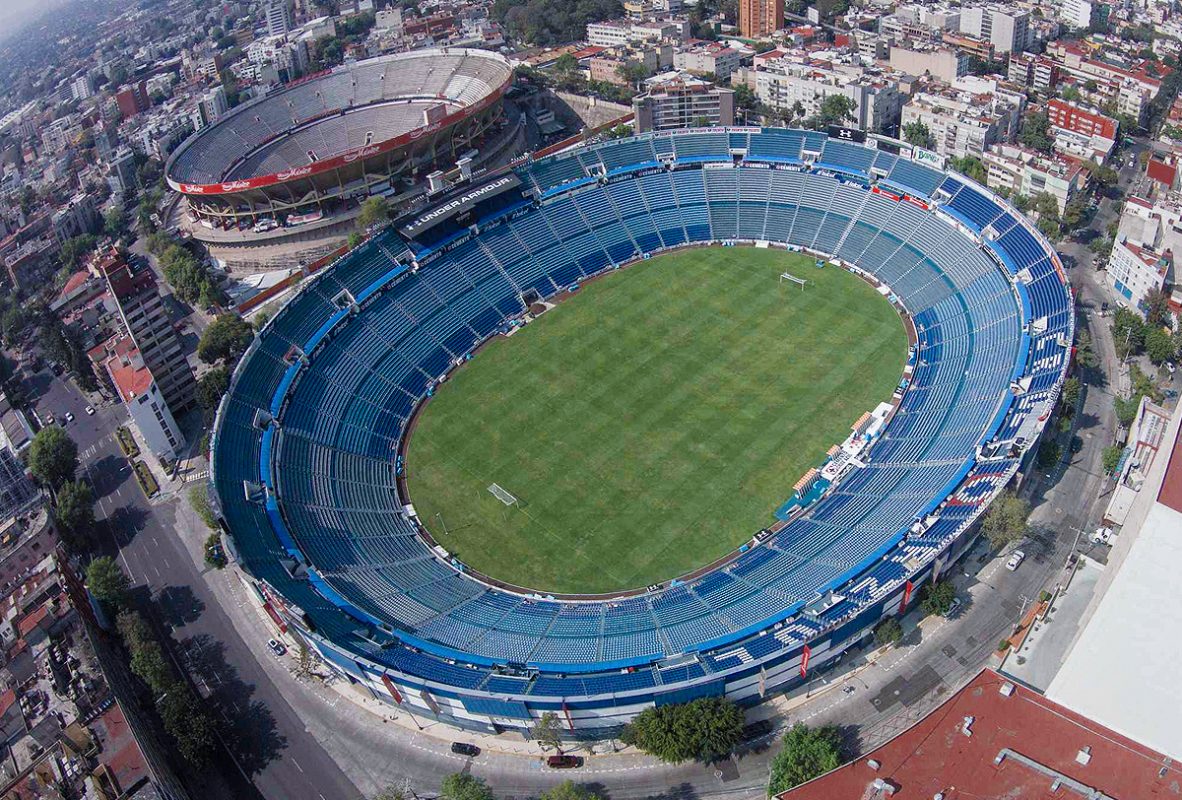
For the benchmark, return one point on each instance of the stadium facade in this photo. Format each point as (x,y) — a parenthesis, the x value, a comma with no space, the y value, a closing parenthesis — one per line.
(306,461)
(315,148)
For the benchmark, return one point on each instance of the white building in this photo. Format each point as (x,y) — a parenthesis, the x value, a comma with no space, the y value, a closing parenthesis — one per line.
(210,108)
(1134,271)
(80,88)
(1021,171)
(143,401)
(709,59)
(783,83)
(964,123)
(1007,29)
(1076,13)
(278,17)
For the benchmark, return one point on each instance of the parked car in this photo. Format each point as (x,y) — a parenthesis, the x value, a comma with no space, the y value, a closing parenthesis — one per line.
(69,417)
(275,647)
(954,607)
(1016,558)
(1103,535)
(564,762)
(90,411)
(465,749)
(49,420)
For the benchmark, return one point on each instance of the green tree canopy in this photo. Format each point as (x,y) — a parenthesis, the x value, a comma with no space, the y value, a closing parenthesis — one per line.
(704,730)
(569,790)
(888,631)
(184,717)
(1159,345)
(804,754)
(546,731)
(210,388)
(1156,305)
(917,133)
(1005,521)
(115,222)
(461,786)
(107,582)
(74,514)
(835,110)
(1071,392)
(374,211)
(226,338)
(75,249)
(1128,332)
(53,456)
(1110,458)
(1036,132)
(938,597)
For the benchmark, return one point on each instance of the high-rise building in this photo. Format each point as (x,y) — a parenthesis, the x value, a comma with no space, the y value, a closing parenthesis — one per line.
(683,102)
(143,400)
(1007,29)
(1076,13)
(133,285)
(760,17)
(278,17)
(133,99)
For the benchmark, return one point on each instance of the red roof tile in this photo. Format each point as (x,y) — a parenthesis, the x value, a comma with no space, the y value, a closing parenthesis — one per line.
(1171,486)
(1160,171)
(1018,744)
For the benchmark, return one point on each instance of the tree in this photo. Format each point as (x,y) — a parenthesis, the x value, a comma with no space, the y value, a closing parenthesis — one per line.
(374,211)
(1070,93)
(210,388)
(199,500)
(12,322)
(74,514)
(1110,458)
(888,631)
(937,598)
(569,790)
(836,109)
(1159,346)
(918,134)
(633,73)
(805,753)
(546,731)
(53,456)
(186,719)
(1005,521)
(115,222)
(459,786)
(75,249)
(1085,356)
(1049,453)
(969,166)
(1126,408)
(1072,389)
(705,730)
(1035,132)
(1128,332)
(745,97)
(1156,306)
(107,582)
(226,338)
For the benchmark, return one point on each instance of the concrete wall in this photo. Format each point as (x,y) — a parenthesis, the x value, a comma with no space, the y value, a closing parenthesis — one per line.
(578,112)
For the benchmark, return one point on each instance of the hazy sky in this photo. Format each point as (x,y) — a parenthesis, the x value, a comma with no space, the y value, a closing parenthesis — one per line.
(14,12)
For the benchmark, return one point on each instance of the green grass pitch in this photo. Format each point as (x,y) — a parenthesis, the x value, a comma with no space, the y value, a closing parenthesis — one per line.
(652,422)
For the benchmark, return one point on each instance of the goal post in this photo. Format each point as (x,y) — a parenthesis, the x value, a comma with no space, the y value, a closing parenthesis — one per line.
(788,276)
(502,495)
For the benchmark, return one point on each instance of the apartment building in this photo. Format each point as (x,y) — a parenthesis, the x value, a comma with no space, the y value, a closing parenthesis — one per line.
(1080,120)
(683,101)
(1036,72)
(1005,27)
(1135,270)
(141,308)
(942,63)
(1021,171)
(760,18)
(141,396)
(707,58)
(964,123)
(784,82)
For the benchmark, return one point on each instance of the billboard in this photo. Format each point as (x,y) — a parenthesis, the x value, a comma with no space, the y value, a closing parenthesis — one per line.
(847,134)
(456,204)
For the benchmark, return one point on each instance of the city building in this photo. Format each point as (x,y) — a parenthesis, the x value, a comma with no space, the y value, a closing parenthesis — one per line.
(146,320)
(1074,118)
(278,17)
(80,88)
(707,58)
(75,218)
(963,123)
(1007,29)
(1135,270)
(760,17)
(683,101)
(133,99)
(141,397)
(796,82)
(210,107)
(121,171)
(1036,72)
(941,63)
(1076,13)
(1021,171)
(995,738)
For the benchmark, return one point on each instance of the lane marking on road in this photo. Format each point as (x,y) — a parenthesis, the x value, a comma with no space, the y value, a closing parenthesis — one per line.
(297,764)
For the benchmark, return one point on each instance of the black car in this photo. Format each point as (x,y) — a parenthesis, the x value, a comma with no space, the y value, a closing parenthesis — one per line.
(465,749)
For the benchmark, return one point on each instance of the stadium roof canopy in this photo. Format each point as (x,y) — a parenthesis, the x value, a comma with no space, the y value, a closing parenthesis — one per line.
(997,739)
(1123,668)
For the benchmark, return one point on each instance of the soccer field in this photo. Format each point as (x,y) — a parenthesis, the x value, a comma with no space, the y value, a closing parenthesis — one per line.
(652,422)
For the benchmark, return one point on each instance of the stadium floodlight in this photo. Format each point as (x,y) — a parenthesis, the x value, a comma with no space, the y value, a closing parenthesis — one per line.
(502,495)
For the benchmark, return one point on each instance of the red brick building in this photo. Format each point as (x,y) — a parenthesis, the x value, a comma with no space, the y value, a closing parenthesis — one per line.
(133,99)
(1073,118)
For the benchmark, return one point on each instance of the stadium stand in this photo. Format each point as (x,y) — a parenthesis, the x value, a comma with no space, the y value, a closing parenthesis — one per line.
(305,450)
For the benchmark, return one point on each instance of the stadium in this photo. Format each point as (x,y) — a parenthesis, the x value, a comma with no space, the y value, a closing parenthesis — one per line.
(307,153)
(951,310)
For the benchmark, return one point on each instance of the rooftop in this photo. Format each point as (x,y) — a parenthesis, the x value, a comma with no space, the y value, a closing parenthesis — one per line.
(995,739)
(127,370)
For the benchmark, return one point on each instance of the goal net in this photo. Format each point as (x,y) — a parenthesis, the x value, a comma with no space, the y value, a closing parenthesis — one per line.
(502,495)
